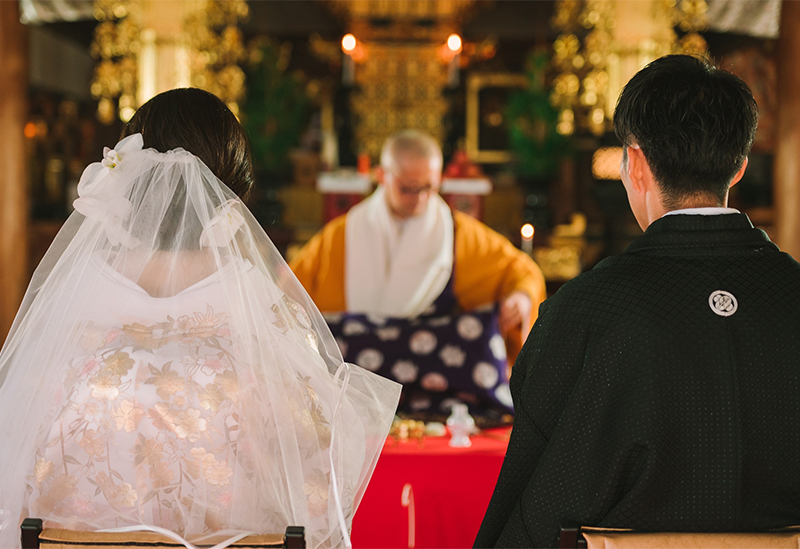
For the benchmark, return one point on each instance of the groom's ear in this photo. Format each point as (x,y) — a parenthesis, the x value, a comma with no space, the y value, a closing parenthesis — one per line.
(740,173)
(638,168)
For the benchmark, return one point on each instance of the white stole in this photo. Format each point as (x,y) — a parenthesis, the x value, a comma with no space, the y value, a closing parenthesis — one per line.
(393,268)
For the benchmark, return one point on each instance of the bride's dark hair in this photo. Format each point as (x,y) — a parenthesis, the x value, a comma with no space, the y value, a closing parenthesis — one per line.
(202,124)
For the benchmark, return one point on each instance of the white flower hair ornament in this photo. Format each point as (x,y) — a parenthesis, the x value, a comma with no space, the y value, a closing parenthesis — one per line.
(104,200)
(223,227)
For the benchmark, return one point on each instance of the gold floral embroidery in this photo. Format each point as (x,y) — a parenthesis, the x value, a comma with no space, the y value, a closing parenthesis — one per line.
(61,489)
(312,416)
(161,475)
(92,338)
(105,385)
(311,340)
(42,470)
(127,416)
(126,495)
(168,381)
(194,467)
(118,495)
(147,450)
(91,445)
(183,325)
(143,336)
(204,326)
(211,397)
(315,423)
(228,383)
(182,404)
(189,425)
(90,409)
(119,363)
(290,314)
(316,491)
(161,415)
(81,506)
(216,473)
(213,365)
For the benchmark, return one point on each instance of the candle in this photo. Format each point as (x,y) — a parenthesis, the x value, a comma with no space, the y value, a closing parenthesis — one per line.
(527,238)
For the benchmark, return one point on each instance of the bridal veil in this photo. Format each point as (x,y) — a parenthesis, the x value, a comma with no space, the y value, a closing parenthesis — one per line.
(167,369)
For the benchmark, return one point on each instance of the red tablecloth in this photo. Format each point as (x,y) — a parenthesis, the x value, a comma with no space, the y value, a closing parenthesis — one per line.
(451,489)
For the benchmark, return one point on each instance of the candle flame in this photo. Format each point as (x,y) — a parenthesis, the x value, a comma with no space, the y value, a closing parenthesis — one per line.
(527,231)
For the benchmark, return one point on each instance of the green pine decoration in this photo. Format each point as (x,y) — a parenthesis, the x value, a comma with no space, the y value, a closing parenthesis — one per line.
(532,122)
(275,112)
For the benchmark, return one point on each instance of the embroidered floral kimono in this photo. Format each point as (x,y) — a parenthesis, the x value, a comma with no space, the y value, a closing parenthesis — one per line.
(166,370)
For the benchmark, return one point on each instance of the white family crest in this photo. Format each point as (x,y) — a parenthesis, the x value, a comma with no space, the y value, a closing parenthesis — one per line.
(722,303)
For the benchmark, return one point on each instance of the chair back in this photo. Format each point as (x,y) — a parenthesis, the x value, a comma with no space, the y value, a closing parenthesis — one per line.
(34,536)
(618,538)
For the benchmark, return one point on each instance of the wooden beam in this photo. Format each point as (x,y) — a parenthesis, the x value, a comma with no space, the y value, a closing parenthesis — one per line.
(786,195)
(13,172)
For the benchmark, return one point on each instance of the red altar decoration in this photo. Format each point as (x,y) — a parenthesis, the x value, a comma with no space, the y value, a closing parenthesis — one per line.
(429,495)
(342,190)
(466,195)
(464,185)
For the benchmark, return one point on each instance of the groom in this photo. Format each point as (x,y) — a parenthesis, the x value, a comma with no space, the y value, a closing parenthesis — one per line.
(659,391)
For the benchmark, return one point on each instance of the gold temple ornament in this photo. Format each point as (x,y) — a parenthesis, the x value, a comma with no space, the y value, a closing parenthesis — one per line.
(605,42)
(145,47)
(400,68)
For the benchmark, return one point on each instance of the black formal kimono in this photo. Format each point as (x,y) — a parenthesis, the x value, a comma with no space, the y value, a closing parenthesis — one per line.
(659,391)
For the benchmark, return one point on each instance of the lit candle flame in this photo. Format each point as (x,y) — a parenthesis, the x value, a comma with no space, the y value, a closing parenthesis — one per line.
(454,43)
(348,43)
(527,231)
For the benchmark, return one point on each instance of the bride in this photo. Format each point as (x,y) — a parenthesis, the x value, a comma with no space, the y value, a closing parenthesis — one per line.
(166,370)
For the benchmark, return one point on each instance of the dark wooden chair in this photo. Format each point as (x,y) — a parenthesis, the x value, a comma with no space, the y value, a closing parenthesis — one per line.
(36,537)
(585,537)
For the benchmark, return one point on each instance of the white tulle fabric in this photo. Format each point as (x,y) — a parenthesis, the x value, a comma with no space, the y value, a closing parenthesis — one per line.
(167,369)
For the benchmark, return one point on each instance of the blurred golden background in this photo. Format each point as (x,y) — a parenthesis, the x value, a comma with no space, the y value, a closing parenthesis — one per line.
(519,93)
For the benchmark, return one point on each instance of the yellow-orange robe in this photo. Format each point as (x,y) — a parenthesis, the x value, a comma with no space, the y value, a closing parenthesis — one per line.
(487,269)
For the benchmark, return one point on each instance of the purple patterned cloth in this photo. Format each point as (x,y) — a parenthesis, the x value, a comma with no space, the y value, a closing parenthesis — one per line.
(441,357)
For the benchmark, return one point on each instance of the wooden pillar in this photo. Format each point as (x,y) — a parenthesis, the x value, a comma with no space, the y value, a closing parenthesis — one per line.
(786,195)
(13,173)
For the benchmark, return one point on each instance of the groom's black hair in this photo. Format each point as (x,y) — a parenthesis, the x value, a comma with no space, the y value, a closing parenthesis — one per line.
(694,123)
(202,124)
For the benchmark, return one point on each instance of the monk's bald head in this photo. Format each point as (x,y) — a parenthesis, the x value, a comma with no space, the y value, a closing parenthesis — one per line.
(410,145)
(411,172)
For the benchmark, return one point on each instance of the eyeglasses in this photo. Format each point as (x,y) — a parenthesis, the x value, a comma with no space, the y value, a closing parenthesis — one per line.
(409,190)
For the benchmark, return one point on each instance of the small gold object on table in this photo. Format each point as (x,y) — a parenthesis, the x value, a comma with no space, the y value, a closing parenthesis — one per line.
(407,429)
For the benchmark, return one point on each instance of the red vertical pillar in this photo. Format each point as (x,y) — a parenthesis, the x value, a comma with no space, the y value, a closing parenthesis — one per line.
(786,196)
(13,175)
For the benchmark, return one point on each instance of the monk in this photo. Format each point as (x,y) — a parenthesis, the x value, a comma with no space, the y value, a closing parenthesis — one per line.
(403,253)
